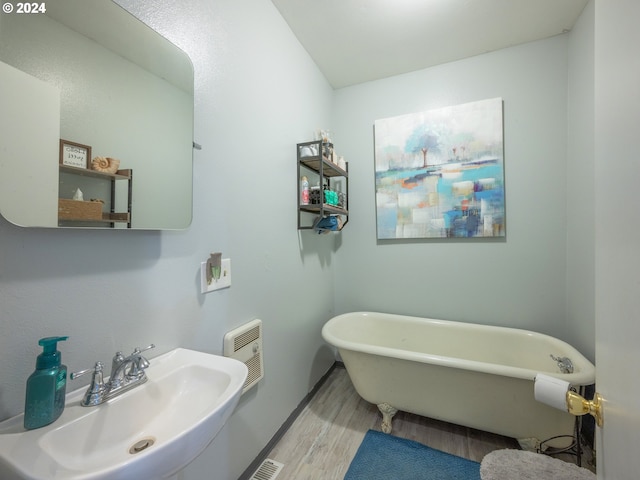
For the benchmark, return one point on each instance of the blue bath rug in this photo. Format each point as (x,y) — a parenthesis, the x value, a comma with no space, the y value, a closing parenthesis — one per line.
(385,457)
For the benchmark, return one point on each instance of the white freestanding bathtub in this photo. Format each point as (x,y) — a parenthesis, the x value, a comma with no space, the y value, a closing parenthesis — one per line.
(478,376)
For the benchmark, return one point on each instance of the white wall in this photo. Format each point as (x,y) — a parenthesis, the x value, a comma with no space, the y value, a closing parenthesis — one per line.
(257,94)
(517,282)
(581,186)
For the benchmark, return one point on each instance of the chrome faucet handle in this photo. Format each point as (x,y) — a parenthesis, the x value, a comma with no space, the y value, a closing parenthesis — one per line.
(564,363)
(136,371)
(142,363)
(138,351)
(96,370)
(139,363)
(94,394)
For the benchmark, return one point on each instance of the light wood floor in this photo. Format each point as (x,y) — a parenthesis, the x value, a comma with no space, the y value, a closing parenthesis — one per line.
(325,437)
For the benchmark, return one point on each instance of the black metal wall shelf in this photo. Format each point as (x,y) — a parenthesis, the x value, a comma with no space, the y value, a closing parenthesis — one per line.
(315,158)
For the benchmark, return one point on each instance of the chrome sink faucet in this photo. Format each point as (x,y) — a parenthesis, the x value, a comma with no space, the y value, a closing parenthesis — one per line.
(126,373)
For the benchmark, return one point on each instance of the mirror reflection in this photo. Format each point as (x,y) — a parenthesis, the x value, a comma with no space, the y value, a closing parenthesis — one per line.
(99,120)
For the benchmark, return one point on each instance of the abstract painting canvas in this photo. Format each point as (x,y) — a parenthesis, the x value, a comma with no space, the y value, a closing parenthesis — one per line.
(440,173)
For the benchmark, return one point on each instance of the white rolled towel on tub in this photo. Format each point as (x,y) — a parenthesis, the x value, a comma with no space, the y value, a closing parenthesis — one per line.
(551,391)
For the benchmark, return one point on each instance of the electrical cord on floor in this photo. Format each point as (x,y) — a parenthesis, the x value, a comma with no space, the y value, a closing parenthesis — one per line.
(575,448)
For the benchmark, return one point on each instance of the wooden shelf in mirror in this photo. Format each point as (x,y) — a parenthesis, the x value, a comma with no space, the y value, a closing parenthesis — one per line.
(119,175)
(106,218)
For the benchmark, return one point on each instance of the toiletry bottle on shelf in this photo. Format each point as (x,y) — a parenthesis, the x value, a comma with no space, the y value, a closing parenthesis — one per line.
(46,387)
(304,189)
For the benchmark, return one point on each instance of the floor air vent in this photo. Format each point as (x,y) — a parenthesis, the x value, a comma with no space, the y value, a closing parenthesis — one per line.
(245,344)
(269,470)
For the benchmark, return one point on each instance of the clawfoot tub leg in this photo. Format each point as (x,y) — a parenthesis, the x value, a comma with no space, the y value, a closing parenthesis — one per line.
(387,415)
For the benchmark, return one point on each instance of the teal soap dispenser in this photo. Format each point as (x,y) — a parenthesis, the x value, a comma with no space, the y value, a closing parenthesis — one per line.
(46,387)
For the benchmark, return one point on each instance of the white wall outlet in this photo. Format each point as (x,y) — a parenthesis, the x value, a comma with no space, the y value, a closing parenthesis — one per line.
(223,282)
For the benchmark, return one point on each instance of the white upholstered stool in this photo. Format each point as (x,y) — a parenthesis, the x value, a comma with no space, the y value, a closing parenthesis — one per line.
(522,465)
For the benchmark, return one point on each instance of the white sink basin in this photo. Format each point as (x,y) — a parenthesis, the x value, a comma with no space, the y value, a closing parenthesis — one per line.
(174,415)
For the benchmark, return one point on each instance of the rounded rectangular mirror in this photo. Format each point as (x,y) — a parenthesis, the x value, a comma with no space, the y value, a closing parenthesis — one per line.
(97,120)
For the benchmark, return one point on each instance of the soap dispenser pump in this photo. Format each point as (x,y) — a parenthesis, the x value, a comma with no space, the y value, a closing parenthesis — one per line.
(46,387)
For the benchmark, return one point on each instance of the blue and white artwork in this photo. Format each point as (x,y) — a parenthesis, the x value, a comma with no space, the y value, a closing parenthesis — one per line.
(440,173)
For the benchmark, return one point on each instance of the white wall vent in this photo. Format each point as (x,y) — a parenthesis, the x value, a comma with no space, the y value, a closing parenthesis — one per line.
(245,344)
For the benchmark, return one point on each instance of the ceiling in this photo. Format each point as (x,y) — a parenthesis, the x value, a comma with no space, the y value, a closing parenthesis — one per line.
(355,41)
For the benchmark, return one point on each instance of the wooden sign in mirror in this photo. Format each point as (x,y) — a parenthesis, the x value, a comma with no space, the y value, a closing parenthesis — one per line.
(123,92)
(74,154)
